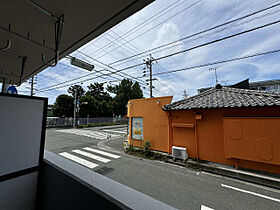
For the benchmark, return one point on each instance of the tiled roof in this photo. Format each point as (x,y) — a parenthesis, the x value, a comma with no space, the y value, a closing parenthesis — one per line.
(224,97)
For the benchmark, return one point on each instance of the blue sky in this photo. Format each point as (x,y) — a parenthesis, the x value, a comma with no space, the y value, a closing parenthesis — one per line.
(170,27)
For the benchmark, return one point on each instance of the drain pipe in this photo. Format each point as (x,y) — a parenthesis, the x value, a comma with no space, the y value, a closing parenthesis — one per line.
(197,116)
(196,141)
(169,132)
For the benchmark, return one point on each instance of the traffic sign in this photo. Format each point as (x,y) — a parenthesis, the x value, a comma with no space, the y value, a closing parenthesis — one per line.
(12,90)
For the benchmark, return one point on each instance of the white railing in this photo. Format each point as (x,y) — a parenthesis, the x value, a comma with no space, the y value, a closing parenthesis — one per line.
(68,121)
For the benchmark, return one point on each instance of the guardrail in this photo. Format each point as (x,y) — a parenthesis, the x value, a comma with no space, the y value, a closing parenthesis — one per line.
(64,122)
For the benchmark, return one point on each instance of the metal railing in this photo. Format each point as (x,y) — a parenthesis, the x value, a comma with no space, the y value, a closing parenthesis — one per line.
(68,121)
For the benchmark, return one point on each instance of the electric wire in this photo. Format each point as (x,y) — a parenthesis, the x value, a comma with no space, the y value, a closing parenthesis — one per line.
(201,32)
(157,25)
(144,23)
(201,65)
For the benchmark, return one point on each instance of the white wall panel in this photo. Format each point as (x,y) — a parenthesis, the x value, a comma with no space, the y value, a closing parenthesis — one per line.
(20,133)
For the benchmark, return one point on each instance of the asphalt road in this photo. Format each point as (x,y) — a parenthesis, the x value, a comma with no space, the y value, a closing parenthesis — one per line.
(177,186)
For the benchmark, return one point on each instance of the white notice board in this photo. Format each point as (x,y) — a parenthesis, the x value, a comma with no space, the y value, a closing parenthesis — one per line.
(137,128)
(21,121)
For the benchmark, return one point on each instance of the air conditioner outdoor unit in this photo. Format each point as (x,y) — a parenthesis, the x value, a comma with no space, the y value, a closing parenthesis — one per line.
(179,153)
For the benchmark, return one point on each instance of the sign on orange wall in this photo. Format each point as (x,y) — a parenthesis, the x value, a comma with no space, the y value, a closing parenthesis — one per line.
(137,128)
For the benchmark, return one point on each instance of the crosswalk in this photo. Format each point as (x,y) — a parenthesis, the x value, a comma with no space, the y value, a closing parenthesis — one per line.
(116,131)
(89,153)
(89,133)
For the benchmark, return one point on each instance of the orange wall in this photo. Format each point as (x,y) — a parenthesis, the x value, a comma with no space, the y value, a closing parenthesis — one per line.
(155,121)
(255,139)
(204,138)
(210,135)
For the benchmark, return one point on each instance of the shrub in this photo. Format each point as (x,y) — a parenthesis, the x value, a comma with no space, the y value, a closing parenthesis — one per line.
(147,146)
(131,148)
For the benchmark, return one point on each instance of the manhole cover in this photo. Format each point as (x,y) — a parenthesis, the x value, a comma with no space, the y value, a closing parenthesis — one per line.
(104,170)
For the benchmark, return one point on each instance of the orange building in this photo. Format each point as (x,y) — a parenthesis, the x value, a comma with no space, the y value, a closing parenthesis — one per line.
(225,125)
(148,122)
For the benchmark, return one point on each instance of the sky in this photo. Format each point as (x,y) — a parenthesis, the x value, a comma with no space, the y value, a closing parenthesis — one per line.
(165,21)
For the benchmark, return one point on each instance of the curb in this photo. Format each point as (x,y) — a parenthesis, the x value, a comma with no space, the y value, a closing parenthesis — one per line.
(240,174)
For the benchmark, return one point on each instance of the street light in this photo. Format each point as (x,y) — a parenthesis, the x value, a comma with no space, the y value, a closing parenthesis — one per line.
(75,104)
(80,63)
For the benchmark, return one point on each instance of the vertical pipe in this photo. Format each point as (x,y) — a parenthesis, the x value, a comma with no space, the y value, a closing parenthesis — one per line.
(196,140)
(168,145)
(170,142)
(236,164)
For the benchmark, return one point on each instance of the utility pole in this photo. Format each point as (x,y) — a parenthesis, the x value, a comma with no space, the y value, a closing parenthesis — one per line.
(149,63)
(32,82)
(32,85)
(75,106)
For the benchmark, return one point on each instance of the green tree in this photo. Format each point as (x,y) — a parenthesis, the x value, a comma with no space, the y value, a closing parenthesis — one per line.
(125,91)
(96,102)
(80,90)
(63,106)
(97,90)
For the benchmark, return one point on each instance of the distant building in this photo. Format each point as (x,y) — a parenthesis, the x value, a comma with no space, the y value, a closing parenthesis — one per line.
(267,85)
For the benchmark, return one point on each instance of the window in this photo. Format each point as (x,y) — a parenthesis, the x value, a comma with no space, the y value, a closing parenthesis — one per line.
(137,128)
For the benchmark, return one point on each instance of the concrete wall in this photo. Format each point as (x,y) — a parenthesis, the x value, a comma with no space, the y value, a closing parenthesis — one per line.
(68,185)
(155,121)
(208,140)
(61,192)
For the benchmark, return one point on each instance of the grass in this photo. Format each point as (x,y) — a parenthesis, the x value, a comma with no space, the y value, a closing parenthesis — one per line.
(145,152)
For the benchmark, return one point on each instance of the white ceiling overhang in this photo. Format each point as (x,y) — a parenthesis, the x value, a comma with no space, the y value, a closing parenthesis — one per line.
(30,30)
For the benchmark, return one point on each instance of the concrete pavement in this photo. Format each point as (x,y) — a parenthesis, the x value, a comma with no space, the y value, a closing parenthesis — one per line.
(174,185)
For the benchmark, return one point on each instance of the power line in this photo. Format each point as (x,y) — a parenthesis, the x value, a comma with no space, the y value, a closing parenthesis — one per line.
(219,62)
(157,25)
(198,66)
(141,25)
(201,32)
(248,15)
(220,39)
(195,47)
(135,78)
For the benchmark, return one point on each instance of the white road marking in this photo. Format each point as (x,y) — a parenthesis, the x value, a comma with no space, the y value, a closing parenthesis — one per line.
(78,160)
(95,157)
(114,131)
(101,152)
(252,193)
(205,208)
(88,133)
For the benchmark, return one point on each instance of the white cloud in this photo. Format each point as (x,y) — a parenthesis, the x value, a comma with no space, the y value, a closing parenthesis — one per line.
(205,14)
